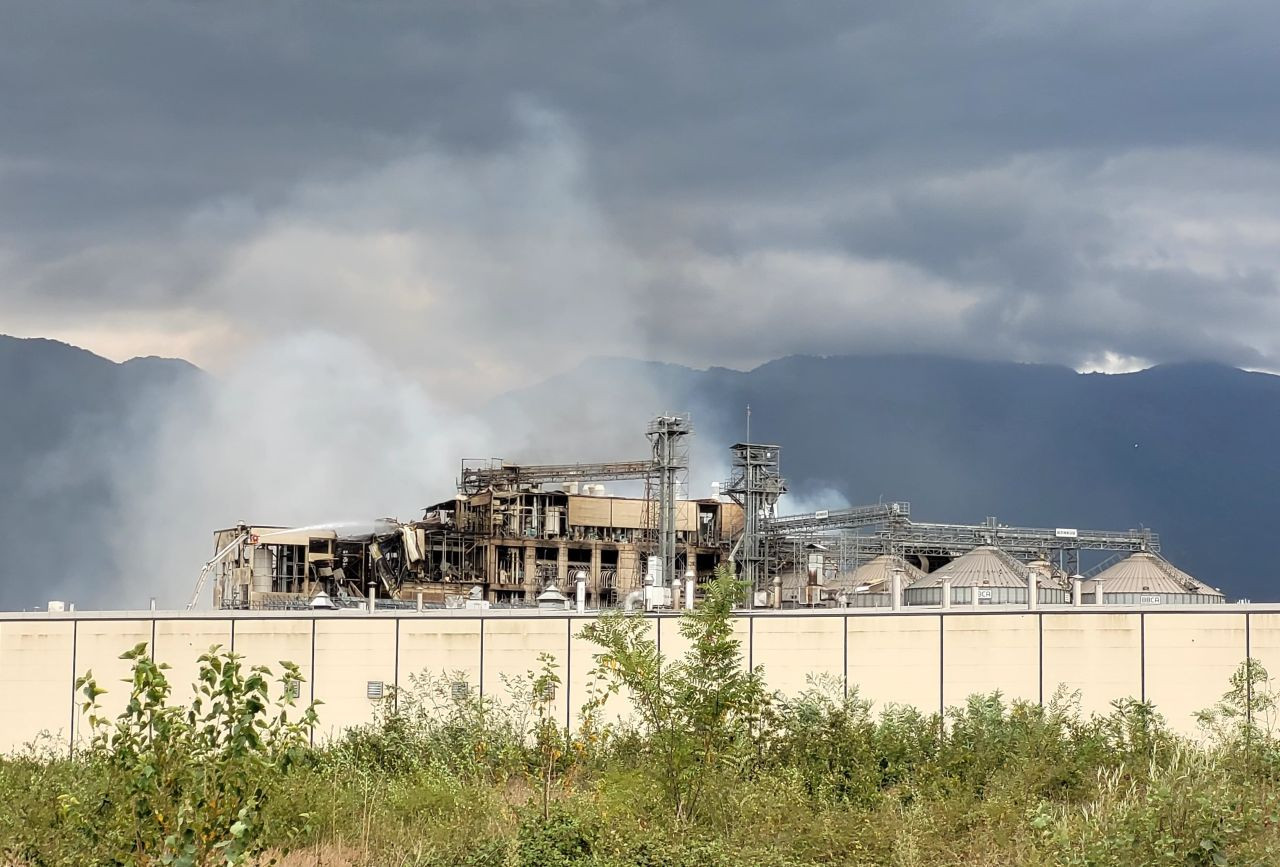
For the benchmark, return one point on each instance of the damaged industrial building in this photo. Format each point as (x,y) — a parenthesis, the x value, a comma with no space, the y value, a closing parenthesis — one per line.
(525,534)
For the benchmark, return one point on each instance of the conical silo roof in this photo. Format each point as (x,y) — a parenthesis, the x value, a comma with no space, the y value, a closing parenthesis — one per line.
(985,566)
(1050,575)
(1145,572)
(877,574)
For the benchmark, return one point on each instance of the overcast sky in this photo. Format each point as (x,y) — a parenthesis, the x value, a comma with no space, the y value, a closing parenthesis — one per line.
(486,192)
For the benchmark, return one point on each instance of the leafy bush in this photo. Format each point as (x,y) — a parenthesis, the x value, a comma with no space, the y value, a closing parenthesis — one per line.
(162,783)
(697,714)
(441,723)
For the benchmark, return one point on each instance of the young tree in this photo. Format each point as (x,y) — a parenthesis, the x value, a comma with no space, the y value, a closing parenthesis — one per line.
(187,785)
(700,711)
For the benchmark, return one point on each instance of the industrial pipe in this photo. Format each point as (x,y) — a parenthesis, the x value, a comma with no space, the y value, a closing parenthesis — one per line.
(1077,592)
(895,588)
(373,597)
(777,591)
(946,592)
(1033,589)
(581,593)
(689,580)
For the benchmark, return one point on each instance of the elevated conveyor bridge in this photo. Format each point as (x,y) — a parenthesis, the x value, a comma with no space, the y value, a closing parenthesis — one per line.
(891,531)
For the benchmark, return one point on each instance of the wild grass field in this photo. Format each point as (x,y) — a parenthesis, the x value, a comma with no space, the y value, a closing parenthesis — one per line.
(709,769)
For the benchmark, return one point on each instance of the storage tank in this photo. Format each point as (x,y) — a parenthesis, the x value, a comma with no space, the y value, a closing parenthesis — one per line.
(871,584)
(985,576)
(1145,578)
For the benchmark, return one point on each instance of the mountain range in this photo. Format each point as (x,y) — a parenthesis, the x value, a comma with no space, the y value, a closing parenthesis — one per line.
(1185,449)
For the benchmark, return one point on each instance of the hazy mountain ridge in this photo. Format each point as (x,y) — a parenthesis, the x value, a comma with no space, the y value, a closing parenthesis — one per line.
(70,417)
(1186,449)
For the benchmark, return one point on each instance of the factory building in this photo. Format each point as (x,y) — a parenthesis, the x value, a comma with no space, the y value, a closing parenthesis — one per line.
(515,533)
(510,544)
(515,543)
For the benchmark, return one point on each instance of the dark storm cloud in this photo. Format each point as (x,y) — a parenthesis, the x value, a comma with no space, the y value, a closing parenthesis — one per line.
(714,182)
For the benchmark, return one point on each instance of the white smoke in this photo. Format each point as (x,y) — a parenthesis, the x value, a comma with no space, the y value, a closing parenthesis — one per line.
(313,429)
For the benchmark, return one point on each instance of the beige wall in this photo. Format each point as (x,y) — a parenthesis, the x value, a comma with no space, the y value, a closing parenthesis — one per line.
(349,654)
(988,652)
(37,698)
(778,642)
(180,644)
(511,650)
(1098,655)
(98,645)
(268,642)
(894,659)
(1264,641)
(1189,658)
(435,648)
(1179,659)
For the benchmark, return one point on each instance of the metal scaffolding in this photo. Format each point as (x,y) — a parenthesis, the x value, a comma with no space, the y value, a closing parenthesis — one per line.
(669,438)
(900,535)
(826,520)
(755,485)
(494,473)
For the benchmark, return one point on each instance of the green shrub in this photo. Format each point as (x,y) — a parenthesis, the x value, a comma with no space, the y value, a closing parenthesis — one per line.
(709,772)
(163,783)
(697,714)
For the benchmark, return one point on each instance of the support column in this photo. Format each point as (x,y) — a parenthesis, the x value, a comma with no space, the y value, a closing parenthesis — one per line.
(491,565)
(562,566)
(594,582)
(628,570)
(530,572)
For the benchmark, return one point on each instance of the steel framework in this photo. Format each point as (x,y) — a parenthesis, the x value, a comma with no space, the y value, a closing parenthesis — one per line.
(899,535)
(839,519)
(669,439)
(756,484)
(494,473)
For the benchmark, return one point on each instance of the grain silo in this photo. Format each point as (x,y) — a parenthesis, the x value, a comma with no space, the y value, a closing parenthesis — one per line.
(871,584)
(1148,579)
(875,575)
(985,576)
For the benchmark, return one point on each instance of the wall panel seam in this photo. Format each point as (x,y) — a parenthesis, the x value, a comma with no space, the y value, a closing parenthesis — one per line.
(845,671)
(1142,655)
(942,671)
(1248,662)
(1040,625)
(568,671)
(71,737)
(312,733)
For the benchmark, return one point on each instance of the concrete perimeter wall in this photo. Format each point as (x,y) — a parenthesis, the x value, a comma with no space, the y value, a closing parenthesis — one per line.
(1180,659)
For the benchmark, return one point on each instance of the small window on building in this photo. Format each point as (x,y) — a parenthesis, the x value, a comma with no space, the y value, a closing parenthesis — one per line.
(375,689)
